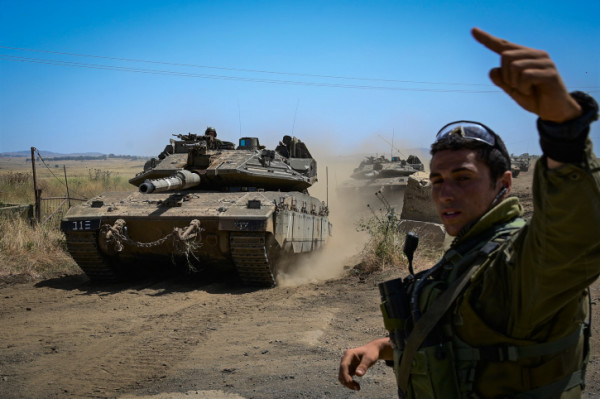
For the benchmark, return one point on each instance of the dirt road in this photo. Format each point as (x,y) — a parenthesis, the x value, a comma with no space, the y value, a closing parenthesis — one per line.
(65,337)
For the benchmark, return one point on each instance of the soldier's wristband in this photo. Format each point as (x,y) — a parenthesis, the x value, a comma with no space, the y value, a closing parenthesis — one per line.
(565,142)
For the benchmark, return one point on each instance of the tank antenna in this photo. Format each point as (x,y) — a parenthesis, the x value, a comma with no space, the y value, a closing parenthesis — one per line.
(327,183)
(295,113)
(240,117)
(392,146)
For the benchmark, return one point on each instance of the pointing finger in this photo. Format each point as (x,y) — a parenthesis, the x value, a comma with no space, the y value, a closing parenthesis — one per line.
(493,43)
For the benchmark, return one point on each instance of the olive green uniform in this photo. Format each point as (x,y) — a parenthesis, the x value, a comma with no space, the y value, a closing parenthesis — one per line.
(527,303)
(535,290)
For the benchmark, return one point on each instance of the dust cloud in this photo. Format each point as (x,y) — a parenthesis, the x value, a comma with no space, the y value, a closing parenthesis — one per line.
(347,207)
(344,246)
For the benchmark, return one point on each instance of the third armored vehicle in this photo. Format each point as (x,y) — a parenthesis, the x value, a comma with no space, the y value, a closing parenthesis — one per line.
(205,203)
(519,164)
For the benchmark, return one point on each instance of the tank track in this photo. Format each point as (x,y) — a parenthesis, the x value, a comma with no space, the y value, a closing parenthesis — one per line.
(251,258)
(83,247)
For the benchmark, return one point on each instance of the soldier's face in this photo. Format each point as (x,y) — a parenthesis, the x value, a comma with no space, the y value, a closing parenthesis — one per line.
(462,189)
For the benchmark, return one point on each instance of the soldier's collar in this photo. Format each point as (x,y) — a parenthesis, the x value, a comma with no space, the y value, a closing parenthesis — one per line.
(504,212)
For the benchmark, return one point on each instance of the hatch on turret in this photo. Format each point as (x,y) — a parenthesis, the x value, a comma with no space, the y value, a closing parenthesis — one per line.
(249,143)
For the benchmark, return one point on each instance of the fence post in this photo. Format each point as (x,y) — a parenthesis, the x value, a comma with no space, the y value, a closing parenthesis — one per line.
(38,194)
(67,184)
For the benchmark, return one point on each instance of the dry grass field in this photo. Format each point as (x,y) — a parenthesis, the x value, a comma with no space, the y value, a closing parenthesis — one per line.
(38,250)
(84,178)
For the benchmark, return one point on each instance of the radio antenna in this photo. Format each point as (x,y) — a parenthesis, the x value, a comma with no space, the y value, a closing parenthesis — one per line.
(392,146)
(240,117)
(295,112)
(327,183)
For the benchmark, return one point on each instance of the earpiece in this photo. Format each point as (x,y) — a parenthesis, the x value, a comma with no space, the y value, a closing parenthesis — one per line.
(499,196)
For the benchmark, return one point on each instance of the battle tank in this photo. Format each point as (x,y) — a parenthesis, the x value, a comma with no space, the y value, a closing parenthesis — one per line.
(205,204)
(519,164)
(383,168)
(380,179)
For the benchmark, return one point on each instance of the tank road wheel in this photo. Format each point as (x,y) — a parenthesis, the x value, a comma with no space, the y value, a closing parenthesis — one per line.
(83,247)
(255,256)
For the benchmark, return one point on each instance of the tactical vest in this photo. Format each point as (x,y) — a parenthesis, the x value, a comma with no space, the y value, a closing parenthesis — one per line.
(430,360)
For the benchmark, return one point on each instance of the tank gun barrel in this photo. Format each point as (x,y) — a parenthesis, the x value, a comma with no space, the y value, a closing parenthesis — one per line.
(178,181)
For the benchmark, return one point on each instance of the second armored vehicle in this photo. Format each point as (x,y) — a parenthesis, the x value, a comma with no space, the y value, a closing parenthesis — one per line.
(380,177)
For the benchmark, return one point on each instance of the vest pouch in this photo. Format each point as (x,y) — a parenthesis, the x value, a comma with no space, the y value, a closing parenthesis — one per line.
(395,310)
(433,374)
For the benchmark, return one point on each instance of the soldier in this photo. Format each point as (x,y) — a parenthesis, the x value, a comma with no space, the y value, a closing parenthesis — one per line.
(211,131)
(504,314)
(210,135)
(283,148)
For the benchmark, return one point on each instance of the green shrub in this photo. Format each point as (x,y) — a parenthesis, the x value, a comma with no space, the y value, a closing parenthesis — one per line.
(384,246)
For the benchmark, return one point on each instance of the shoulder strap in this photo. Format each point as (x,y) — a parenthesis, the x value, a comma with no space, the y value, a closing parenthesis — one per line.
(433,315)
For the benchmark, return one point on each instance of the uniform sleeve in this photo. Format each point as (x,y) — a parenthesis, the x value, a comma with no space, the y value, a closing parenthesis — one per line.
(561,250)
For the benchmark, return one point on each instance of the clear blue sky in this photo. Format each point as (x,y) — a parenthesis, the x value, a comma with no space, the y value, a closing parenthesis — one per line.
(122,76)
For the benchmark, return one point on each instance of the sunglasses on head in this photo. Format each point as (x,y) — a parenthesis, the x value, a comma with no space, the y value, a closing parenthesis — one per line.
(469,130)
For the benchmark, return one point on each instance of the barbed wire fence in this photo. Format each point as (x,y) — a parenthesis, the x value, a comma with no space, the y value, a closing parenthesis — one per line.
(51,209)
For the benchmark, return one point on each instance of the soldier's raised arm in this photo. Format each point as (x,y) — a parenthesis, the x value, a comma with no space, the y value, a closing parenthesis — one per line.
(530,78)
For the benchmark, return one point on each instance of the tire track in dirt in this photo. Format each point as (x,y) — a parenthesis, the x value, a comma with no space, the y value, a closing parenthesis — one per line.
(104,341)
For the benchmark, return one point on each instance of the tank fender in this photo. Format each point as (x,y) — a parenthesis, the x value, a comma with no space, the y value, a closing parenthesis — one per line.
(298,232)
(322,231)
(284,223)
(317,240)
(302,233)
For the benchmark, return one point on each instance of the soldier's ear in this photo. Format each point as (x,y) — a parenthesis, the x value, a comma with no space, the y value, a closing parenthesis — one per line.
(507,180)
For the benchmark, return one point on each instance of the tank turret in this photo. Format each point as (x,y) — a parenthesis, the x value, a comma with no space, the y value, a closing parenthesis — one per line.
(220,166)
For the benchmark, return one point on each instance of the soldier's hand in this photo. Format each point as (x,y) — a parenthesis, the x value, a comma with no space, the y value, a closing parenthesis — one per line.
(358,360)
(530,77)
